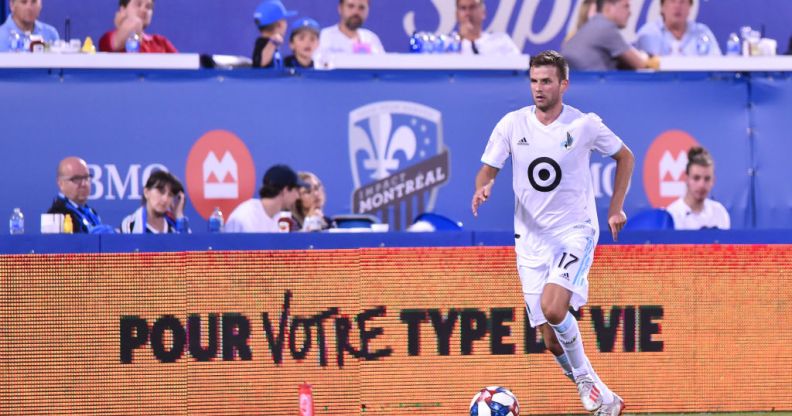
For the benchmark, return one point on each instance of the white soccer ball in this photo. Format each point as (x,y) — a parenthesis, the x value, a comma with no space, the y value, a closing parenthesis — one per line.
(494,401)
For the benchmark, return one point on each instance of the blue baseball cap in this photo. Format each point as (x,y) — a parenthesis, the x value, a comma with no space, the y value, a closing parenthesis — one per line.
(270,11)
(305,23)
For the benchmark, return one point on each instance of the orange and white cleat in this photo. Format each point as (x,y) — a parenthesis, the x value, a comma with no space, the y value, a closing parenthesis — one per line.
(614,408)
(589,393)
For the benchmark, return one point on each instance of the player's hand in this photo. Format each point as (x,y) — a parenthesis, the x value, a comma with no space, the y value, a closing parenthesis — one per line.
(616,222)
(466,29)
(277,39)
(481,195)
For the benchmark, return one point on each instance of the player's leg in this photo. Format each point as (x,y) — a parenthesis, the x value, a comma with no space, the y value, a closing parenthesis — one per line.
(568,285)
(533,280)
(552,344)
(555,306)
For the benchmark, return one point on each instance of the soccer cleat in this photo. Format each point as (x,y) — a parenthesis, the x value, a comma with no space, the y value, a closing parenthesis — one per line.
(589,393)
(614,408)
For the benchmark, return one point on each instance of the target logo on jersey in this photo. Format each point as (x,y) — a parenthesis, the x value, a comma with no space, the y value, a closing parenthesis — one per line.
(220,173)
(664,167)
(544,174)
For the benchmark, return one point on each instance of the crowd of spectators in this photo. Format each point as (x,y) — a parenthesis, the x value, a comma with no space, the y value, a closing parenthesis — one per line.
(594,43)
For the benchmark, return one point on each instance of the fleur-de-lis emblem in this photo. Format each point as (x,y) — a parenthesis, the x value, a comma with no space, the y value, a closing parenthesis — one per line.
(381,147)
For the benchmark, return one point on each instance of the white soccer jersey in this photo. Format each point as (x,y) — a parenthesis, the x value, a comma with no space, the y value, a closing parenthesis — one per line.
(553,189)
(714,215)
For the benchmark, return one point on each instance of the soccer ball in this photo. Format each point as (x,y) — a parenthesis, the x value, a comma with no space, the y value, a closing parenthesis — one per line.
(494,401)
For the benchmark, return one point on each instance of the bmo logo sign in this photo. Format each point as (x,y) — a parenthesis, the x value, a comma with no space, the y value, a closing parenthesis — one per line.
(220,173)
(664,167)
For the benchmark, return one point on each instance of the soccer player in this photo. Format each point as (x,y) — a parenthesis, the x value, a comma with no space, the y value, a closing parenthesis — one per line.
(555,218)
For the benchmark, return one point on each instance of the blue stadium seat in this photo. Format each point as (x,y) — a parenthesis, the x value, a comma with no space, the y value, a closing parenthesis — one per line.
(653,219)
(439,222)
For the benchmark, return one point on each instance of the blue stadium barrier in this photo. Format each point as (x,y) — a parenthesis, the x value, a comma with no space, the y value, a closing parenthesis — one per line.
(81,243)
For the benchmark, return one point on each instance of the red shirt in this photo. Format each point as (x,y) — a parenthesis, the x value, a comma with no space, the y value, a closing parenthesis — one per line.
(149,44)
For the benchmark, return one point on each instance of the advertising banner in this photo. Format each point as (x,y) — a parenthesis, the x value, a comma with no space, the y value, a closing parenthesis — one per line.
(393,145)
(385,331)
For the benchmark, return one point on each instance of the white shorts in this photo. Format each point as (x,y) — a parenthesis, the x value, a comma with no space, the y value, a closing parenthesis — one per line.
(568,266)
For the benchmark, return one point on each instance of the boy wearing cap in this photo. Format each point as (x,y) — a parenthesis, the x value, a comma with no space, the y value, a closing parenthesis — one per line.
(270,17)
(303,41)
(279,192)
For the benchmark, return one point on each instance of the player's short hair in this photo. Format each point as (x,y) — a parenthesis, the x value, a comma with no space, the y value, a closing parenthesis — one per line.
(342,1)
(699,156)
(601,4)
(552,58)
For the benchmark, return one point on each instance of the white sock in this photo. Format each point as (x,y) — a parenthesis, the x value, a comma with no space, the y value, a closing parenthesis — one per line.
(563,362)
(568,333)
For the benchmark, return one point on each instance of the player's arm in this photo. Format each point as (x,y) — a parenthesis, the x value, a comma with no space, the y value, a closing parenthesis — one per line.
(485,178)
(625,162)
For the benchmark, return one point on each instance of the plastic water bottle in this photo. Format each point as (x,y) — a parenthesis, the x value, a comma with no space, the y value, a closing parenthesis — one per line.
(216,221)
(416,45)
(16,42)
(703,45)
(455,44)
(16,225)
(733,47)
(133,43)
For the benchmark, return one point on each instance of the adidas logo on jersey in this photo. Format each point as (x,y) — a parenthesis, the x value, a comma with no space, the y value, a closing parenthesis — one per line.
(523,142)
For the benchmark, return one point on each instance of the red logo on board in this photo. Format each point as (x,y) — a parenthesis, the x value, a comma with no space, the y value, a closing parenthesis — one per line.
(220,173)
(664,167)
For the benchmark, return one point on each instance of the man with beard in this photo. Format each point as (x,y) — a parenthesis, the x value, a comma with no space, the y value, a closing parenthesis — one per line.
(555,217)
(24,20)
(348,36)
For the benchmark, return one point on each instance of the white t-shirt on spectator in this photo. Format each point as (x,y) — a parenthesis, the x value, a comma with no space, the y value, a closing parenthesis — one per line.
(333,41)
(491,44)
(714,215)
(250,217)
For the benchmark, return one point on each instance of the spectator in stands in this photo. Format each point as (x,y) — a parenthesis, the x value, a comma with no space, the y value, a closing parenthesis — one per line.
(24,20)
(270,17)
(470,18)
(279,192)
(134,17)
(307,211)
(586,11)
(696,210)
(348,36)
(598,45)
(674,34)
(163,207)
(74,182)
(303,41)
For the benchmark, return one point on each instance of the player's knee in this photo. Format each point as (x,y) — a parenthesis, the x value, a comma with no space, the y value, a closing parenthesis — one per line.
(553,313)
